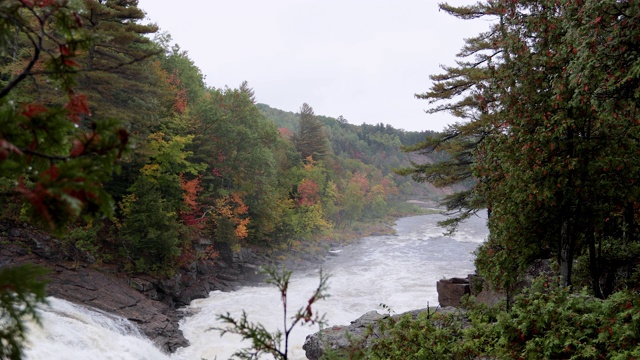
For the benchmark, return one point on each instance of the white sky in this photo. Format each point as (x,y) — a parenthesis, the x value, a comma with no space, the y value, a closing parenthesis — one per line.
(362,59)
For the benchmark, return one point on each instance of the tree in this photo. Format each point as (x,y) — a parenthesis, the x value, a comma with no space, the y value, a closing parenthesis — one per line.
(275,343)
(116,79)
(153,235)
(464,91)
(310,140)
(46,159)
(549,107)
(355,197)
(239,146)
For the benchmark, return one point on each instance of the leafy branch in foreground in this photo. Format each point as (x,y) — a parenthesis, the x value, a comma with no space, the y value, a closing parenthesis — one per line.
(263,341)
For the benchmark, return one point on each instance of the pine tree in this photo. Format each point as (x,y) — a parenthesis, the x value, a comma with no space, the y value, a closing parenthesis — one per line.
(557,182)
(463,91)
(115,75)
(310,140)
(551,109)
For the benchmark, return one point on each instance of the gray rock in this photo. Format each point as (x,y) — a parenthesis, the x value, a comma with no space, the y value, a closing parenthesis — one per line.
(339,337)
(451,291)
(141,284)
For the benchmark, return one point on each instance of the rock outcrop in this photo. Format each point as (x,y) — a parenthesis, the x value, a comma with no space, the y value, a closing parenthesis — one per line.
(451,291)
(107,292)
(343,339)
(348,338)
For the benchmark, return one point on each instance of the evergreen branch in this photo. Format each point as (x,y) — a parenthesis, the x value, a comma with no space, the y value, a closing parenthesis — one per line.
(43,155)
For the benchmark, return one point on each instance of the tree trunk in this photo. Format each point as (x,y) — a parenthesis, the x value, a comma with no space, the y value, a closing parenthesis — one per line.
(594,266)
(567,247)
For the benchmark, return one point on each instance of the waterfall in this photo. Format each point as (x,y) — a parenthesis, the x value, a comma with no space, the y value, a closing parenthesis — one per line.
(72,332)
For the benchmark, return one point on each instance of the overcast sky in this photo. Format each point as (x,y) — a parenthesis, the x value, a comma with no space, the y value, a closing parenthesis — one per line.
(362,59)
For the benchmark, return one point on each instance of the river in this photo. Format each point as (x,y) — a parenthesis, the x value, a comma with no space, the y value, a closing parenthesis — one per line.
(399,271)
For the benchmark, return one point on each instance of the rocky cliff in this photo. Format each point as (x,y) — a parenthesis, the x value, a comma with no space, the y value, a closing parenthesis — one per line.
(150,303)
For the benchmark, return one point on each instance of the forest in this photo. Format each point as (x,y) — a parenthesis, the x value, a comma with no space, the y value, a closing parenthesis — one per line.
(111,140)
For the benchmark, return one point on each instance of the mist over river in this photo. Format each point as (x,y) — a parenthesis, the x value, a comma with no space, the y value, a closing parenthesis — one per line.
(399,271)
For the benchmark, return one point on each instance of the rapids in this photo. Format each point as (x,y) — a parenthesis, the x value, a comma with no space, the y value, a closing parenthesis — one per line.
(399,271)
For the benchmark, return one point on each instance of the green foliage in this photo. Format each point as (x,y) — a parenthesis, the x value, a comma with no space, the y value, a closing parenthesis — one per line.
(117,79)
(84,238)
(150,230)
(547,110)
(549,321)
(21,290)
(275,343)
(428,336)
(56,166)
(618,262)
(546,321)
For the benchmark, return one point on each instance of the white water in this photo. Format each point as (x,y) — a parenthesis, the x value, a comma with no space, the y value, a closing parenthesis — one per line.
(72,332)
(399,271)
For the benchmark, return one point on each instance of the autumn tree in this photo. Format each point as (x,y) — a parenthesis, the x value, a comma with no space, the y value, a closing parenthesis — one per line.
(181,73)
(151,226)
(240,149)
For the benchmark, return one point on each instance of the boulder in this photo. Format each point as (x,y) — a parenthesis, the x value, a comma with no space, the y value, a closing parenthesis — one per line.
(451,291)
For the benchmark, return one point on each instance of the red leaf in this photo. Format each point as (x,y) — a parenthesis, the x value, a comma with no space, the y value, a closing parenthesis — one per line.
(52,173)
(77,149)
(64,50)
(36,197)
(78,20)
(77,106)
(31,110)
(70,63)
